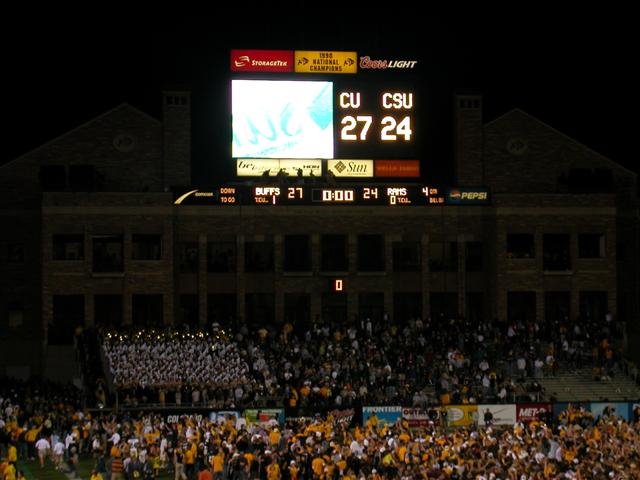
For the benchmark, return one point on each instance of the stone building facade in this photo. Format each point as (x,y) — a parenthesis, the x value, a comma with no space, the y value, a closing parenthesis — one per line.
(91,237)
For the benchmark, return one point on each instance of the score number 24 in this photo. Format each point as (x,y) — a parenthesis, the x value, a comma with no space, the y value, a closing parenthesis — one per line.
(390,131)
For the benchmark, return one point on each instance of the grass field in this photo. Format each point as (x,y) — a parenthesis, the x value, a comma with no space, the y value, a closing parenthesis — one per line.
(33,471)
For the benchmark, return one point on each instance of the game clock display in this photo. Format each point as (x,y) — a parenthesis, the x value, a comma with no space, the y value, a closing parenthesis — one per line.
(336,195)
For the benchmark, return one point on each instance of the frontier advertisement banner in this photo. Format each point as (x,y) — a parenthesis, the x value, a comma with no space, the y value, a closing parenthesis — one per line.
(388,415)
(308,61)
(261,60)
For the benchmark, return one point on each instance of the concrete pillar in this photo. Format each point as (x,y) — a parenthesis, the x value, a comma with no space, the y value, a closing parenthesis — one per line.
(203,298)
(89,309)
(462,275)
(241,287)
(278,258)
(127,307)
(388,279)
(352,305)
(539,306)
(426,288)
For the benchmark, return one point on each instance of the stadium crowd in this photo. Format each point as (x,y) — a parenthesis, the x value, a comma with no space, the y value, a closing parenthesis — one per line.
(142,446)
(312,372)
(326,366)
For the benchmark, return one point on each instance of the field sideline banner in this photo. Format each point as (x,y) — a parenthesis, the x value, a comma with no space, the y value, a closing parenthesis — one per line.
(503,414)
(264,416)
(461,415)
(388,415)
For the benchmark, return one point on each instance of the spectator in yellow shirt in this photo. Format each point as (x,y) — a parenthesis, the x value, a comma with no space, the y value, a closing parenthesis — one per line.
(12,453)
(274,437)
(217,462)
(95,475)
(293,470)
(273,471)
(10,472)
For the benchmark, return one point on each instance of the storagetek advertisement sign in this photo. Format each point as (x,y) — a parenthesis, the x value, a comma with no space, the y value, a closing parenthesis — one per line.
(261,60)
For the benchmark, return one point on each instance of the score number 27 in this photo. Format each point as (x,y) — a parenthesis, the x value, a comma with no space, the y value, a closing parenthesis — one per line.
(390,130)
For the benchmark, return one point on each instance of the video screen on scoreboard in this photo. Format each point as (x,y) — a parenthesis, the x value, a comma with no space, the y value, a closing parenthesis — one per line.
(337,119)
(282,119)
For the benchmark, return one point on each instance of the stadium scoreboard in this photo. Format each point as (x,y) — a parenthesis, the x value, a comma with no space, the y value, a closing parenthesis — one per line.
(334,128)
(354,117)
(361,194)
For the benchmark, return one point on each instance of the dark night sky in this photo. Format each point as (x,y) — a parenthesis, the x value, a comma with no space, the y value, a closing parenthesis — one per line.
(576,74)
